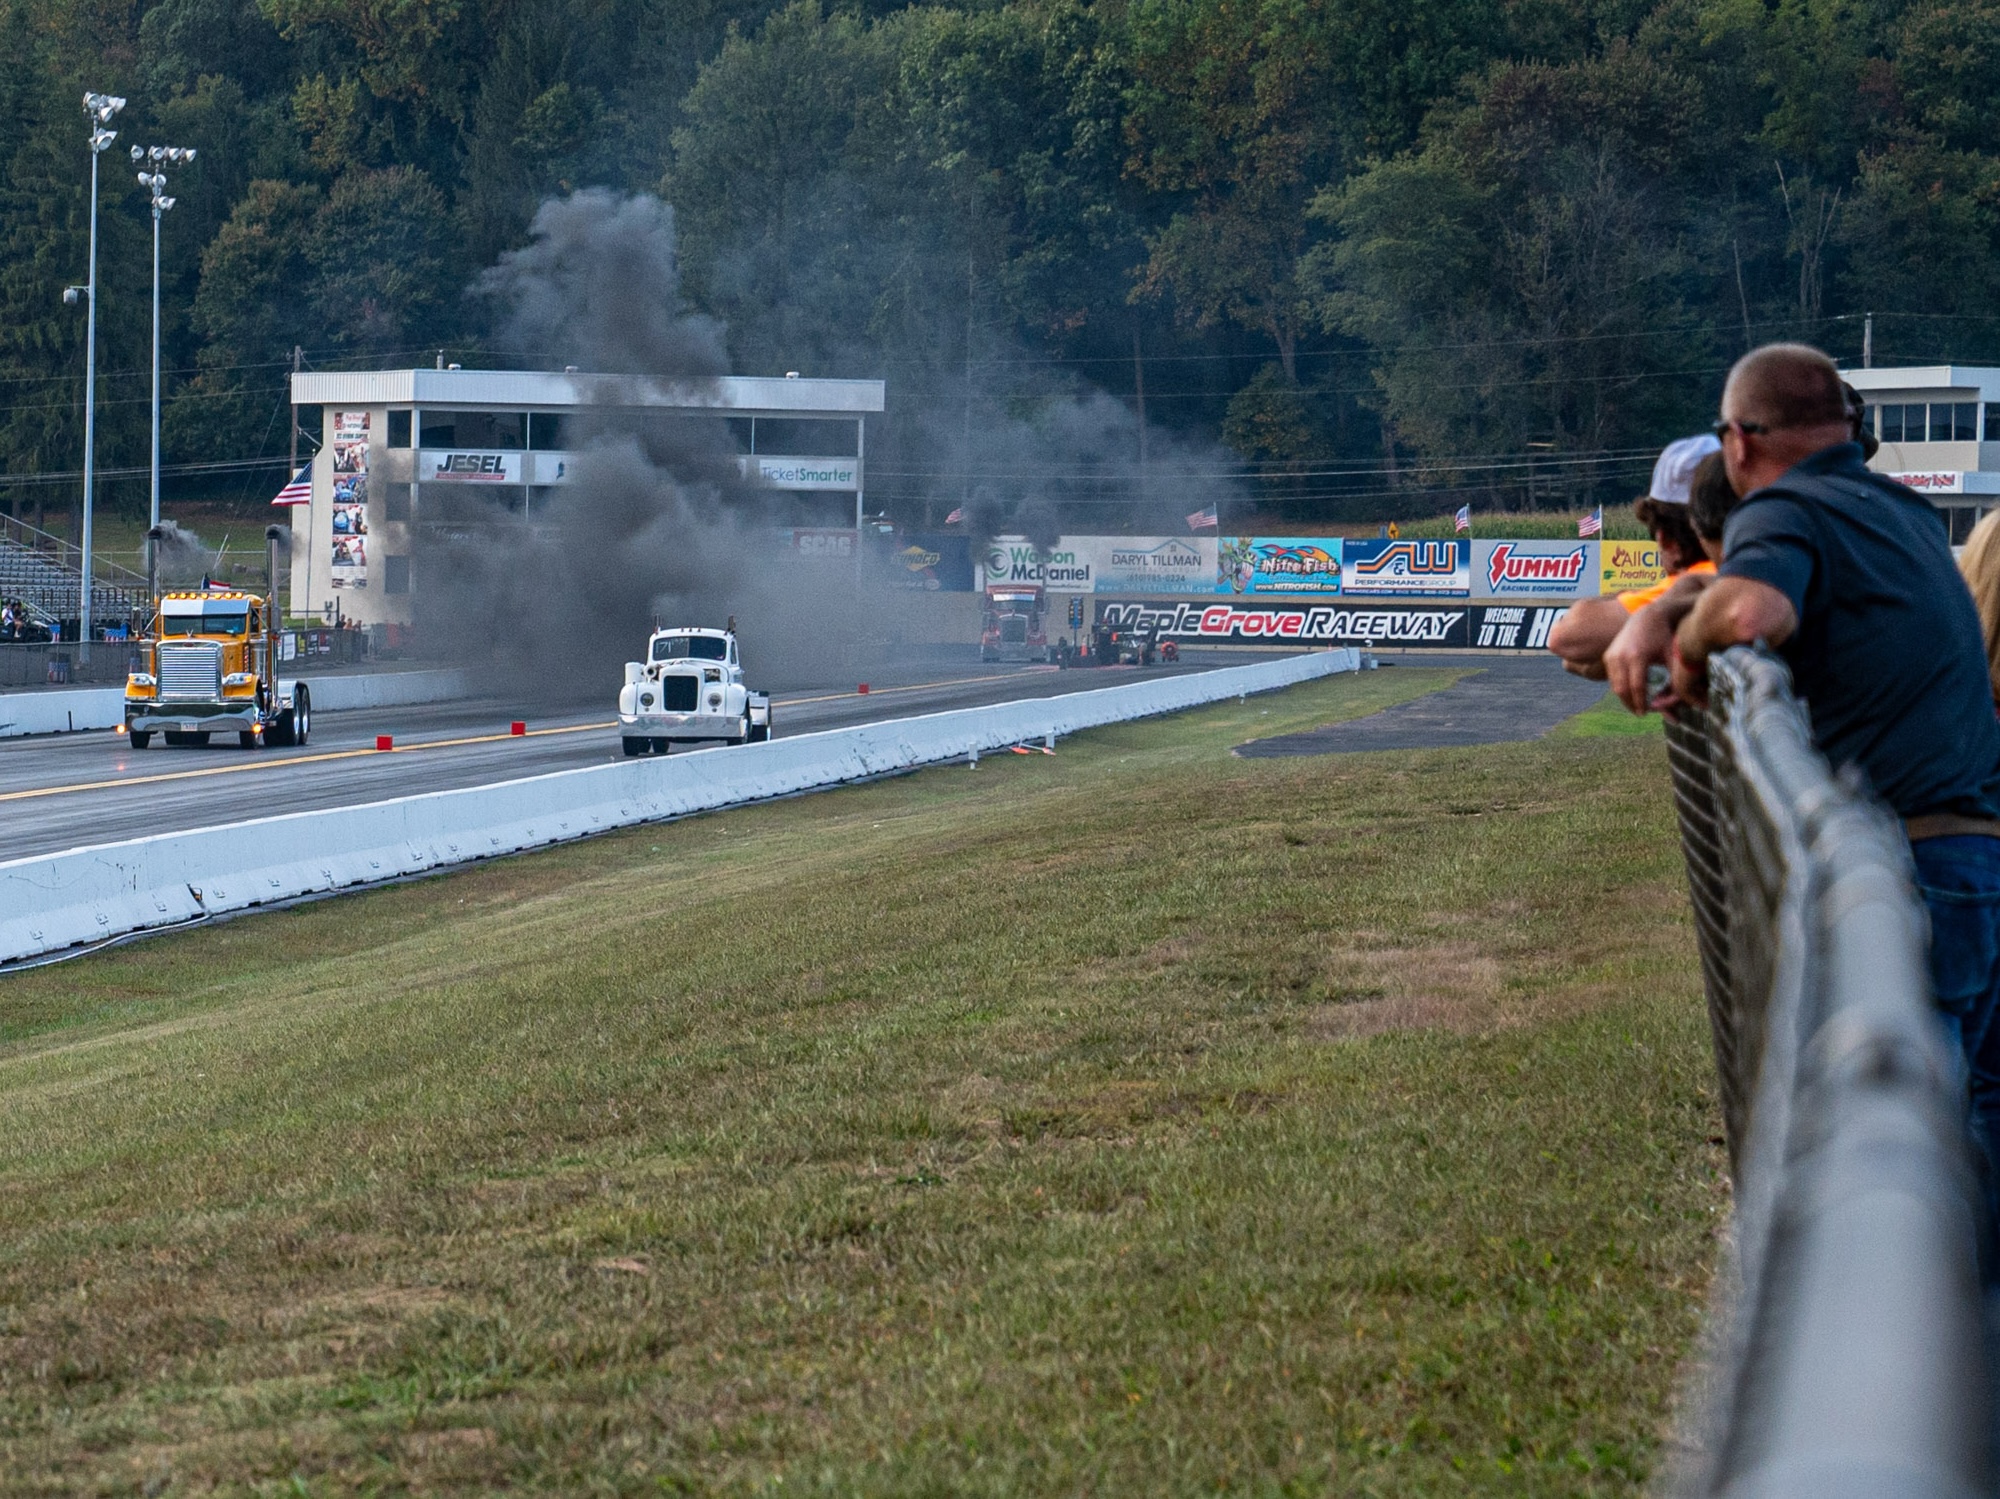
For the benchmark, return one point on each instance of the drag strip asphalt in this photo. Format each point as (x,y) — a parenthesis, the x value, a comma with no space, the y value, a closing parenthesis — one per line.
(1498,701)
(65,791)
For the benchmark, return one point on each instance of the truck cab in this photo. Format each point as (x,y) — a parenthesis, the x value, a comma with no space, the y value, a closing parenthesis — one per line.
(690,687)
(1012,629)
(210,667)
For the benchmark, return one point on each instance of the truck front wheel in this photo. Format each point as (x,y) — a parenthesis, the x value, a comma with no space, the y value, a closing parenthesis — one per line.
(636,747)
(141,738)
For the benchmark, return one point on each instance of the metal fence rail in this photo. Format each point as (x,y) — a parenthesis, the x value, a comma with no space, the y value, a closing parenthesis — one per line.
(1847,1350)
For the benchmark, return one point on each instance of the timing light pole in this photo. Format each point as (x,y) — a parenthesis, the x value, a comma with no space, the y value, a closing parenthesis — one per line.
(155,182)
(100,107)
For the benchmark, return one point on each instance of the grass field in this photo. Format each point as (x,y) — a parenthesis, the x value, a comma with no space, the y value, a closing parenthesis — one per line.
(1140,1120)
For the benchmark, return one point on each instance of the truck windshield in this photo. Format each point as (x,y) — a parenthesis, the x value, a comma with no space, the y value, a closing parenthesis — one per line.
(680,647)
(205,624)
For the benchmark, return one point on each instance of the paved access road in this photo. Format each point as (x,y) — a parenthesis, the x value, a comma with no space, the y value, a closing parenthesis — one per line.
(65,791)
(1501,699)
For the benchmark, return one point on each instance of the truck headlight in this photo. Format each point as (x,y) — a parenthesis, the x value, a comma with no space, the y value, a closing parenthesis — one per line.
(715,700)
(238,679)
(141,681)
(645,699)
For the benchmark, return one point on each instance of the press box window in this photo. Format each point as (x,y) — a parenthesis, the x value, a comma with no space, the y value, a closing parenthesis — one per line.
(399,429)
(1956,421)
(395,574)
(1892,424)
(1993,421)
(395,502)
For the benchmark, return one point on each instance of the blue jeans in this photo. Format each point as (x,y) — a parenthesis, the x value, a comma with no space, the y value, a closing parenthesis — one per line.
(1960,882)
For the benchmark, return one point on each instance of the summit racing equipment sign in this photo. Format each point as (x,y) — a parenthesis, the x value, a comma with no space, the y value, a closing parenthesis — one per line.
(1290,624)
(1436,569)
(1537,569)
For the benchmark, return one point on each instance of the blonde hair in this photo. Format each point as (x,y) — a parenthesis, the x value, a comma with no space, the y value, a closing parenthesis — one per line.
(1980,563)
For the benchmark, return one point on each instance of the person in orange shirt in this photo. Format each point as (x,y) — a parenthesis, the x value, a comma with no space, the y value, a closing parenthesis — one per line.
(1583,635)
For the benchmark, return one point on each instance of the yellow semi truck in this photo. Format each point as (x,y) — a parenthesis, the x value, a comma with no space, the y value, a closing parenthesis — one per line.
(212,668)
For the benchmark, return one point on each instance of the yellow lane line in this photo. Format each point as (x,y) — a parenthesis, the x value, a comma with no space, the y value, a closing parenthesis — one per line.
(247,766)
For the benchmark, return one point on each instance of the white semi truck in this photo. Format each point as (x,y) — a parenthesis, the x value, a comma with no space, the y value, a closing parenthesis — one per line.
(690,686)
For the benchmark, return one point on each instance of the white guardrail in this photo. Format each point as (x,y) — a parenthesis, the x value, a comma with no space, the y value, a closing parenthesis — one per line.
(54,901)
(68,710)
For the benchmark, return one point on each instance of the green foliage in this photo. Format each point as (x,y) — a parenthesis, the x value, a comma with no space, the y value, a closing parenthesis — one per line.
(1393,239)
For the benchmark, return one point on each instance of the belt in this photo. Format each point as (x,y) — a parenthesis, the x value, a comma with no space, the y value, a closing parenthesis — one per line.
(1950,825)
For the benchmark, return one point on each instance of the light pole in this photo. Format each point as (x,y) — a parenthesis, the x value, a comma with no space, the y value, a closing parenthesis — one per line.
(155,182)
(100,107)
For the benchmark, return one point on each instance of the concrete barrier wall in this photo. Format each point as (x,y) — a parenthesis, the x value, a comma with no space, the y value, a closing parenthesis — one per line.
(67,710)
(55,901)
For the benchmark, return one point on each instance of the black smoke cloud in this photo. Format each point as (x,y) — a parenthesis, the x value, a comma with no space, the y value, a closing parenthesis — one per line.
(655,523)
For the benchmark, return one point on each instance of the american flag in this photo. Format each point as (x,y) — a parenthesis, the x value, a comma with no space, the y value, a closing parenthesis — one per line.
(1591,524)
(300,490)
(1204,520)
(955,517)
(1462,521)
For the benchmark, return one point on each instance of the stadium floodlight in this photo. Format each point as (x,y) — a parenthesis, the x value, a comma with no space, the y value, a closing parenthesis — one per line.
(155,183)
(100,108)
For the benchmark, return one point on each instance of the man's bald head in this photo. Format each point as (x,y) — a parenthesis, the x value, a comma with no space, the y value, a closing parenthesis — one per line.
(1784,386)
(1783,403)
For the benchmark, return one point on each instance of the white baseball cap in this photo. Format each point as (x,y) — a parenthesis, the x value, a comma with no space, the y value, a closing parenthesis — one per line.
(1673,475)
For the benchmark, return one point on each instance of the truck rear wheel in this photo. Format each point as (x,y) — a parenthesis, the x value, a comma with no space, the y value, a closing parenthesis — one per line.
(141,738)
(760,732)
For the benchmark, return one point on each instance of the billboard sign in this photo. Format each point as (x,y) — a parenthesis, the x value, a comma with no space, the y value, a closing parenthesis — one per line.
(1538,569)
(469,468)
(821,542)
(801,473)
(1631,564)
(1410,568)
(1279,564)
(1150,564)
(933,562)
(1516,627)
(1067,567)
(1268,622)
(1952,483)
(350,499)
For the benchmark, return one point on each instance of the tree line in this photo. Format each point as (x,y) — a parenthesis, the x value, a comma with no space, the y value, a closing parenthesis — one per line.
(1387,256)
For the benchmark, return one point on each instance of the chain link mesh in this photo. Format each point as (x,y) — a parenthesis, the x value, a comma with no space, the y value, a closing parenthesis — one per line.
(1846,1349)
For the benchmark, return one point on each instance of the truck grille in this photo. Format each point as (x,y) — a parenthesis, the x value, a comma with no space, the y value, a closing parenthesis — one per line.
(1013,630)
(191,671)
(678,694)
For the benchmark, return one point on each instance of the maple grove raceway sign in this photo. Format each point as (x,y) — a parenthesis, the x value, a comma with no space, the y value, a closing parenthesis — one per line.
(1411,627)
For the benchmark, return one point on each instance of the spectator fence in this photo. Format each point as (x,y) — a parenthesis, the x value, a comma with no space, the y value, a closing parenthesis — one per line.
(1847,1350)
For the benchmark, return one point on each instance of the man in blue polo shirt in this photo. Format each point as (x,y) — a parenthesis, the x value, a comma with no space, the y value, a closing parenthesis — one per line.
(1849,576)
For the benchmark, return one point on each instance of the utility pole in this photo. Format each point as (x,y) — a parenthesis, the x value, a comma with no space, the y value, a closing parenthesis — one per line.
(100,107)
(1868,341)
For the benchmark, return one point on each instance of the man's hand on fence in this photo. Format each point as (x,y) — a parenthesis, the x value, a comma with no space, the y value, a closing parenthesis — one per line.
(1640,646)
